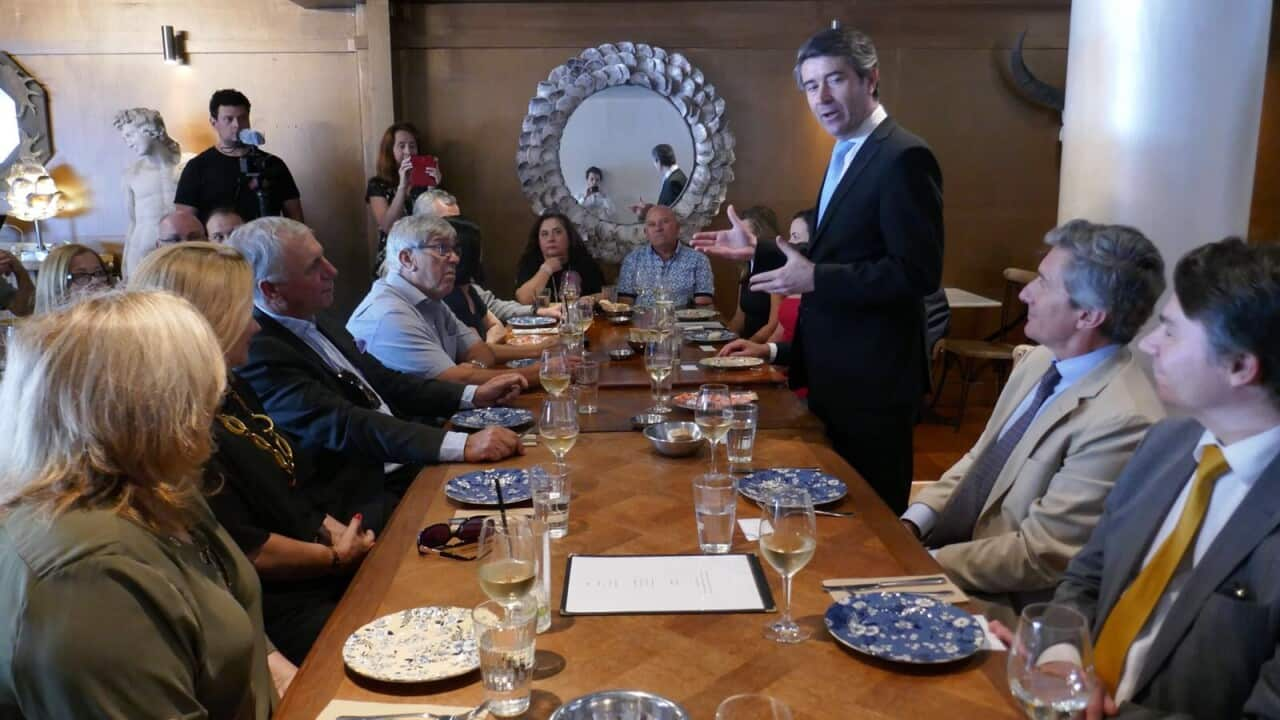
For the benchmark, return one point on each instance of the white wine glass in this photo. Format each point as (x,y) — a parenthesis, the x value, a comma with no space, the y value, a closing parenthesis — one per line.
(1051,673)
(752,707)
(554,372)
(508,558)
(659,362)
(713,415)
(585,314)
(788,537)
(558,425)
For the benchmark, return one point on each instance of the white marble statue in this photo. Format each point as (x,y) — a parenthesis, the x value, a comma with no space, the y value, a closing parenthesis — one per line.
(150,182)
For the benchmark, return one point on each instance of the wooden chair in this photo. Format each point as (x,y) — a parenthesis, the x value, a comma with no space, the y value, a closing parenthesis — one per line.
(972,355)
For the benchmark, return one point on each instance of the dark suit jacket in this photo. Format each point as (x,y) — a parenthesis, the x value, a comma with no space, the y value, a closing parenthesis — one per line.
(344,443)
(1215,655)
(878,250)
(672,187)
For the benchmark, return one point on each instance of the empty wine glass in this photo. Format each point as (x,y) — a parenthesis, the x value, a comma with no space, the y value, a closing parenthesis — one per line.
(558,425)
(508,558)
(1050,668)
(586,312)
(788,537)
(659,362)
(554,372)
(712,414)
(752,707)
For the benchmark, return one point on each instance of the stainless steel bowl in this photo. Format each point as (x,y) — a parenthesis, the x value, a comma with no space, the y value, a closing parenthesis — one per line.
(620,705)
(675,438)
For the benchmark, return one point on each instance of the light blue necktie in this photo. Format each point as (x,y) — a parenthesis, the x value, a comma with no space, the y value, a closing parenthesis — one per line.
(835,171)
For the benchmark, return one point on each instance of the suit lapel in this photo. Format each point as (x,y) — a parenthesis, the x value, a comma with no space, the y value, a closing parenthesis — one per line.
(1257,516)
(1062,406)
(275,327)
(861,160)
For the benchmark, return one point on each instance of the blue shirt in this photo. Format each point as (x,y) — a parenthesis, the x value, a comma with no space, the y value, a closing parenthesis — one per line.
(685,275)
(408,331)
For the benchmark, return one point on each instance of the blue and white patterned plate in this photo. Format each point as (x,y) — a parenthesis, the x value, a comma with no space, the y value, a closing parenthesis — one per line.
(531,321)
(415,645)
(481,418)
(905,627)
(477,487)
(823,488)
(710,335)
(521,362)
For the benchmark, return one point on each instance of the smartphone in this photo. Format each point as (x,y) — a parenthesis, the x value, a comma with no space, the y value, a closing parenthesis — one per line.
(420,176)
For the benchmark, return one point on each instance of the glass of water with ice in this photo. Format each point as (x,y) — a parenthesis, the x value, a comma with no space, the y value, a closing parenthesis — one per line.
(715,505)
(551,493)
(742,434)
(505,636)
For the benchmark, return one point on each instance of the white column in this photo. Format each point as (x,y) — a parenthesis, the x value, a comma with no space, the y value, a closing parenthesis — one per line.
(1160,129)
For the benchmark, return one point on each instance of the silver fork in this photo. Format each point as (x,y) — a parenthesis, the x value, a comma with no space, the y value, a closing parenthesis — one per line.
(469,715)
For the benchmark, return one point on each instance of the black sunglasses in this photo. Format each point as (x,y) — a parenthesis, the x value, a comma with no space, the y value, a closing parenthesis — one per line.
(435,538)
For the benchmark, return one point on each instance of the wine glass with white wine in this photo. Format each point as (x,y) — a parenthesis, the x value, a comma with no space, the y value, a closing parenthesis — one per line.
(788,537)
(659,362)
(508,558)
(1050,667)
(713,416)
(558,425)
(554,372)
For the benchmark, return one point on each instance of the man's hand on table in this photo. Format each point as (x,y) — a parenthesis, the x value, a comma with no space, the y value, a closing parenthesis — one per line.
(491,445)
(501,389)
(745,348)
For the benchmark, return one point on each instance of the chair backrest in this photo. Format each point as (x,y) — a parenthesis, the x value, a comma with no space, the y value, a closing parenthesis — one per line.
(1012,311)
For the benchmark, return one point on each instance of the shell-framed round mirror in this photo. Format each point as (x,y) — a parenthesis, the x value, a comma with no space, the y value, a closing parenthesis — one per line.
(610,110)
(24,116)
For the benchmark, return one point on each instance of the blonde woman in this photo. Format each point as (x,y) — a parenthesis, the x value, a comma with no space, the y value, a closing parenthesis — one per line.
(256,487)
(70,271)
(120,594)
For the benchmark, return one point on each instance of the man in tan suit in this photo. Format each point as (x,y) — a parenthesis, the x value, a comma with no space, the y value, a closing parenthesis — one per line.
(1008,517)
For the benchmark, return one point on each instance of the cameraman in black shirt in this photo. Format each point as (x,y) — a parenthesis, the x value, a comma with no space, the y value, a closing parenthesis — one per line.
(233,174)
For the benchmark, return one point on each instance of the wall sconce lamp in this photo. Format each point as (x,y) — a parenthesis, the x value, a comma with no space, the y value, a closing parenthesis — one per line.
(171,45)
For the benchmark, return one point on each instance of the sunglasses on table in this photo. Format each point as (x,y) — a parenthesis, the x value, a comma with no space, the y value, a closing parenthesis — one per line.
(437,538)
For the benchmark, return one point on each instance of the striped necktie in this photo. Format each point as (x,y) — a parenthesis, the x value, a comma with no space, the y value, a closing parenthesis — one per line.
(1131,612)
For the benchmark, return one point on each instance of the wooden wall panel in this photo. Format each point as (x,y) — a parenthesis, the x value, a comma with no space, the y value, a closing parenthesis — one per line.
(1264,216)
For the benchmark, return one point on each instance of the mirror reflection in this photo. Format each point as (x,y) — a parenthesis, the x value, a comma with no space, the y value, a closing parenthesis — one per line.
(616,132)
(8,125)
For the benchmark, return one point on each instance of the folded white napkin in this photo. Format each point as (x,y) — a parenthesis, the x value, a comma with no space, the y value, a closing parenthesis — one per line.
(944,591)
(993,643)
(336,708)
(689,367)
(511,512)
(750,528)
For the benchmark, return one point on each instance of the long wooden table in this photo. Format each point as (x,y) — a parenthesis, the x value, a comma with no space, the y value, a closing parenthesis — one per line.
(779,408)
(627,499)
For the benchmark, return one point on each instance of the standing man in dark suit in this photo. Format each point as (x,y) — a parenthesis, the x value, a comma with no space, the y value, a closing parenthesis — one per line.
(362,429)
(673,179)
(875,254)
(1180,581)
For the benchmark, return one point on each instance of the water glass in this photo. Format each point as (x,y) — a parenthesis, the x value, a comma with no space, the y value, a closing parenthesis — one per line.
(752,707)
(586,386)
(788,538)
(505,636)
(551,495)
(544,298)
(542,586)
(715,505)
(1050,669)
(742,434)
(610,293)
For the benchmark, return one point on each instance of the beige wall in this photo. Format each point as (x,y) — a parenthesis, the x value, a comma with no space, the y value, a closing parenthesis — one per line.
(95,57)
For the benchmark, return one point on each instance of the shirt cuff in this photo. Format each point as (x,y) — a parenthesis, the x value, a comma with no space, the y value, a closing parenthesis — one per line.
(454,447)
(468,397)
(773,352)
(922,516)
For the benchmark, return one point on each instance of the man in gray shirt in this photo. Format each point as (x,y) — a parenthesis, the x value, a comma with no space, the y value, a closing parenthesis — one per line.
(404,322)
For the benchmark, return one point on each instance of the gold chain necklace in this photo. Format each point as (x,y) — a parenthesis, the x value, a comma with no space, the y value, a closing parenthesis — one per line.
(266,439)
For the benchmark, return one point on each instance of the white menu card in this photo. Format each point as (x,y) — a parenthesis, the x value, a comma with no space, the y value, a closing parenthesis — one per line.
(666,584)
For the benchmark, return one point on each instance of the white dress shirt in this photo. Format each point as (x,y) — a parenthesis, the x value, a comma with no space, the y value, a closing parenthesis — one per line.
(454,445)
(1071,370)
(1247,458)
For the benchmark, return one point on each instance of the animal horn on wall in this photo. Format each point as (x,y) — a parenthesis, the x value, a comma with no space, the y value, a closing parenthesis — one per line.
(1032,87)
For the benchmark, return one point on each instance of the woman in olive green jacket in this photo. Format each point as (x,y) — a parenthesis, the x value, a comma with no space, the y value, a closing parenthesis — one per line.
(120,595)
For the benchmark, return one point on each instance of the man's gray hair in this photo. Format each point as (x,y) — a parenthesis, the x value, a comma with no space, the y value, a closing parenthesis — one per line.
(424,205)
(852,45)
(1113,268)
(261,242)
(411,233)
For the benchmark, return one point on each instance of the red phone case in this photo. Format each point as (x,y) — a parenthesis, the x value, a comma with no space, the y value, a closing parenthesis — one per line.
(420,177)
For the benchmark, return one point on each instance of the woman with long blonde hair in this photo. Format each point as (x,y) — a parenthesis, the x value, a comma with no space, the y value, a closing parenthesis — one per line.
(255,486)
(69,271)
(121,594)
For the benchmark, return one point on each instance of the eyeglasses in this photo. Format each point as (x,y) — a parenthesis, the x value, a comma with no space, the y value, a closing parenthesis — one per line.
(80,279)
(443,250)
(435,538)
(353,382)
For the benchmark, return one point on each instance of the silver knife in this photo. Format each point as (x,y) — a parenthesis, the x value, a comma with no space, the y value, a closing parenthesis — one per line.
(746,470)
(904,582)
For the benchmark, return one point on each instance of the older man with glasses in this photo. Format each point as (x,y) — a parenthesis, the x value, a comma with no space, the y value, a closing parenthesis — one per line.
(404,321)
(354,421)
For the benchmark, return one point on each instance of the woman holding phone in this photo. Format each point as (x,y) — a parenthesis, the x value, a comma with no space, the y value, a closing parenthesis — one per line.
(391,192)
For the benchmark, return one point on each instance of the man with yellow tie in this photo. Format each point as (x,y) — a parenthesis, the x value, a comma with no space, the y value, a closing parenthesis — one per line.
(1181,578)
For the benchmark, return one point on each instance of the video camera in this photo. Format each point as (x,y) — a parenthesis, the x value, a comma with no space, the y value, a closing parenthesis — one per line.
(253,165)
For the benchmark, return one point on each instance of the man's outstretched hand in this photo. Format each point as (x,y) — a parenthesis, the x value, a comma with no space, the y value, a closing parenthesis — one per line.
(736,243)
